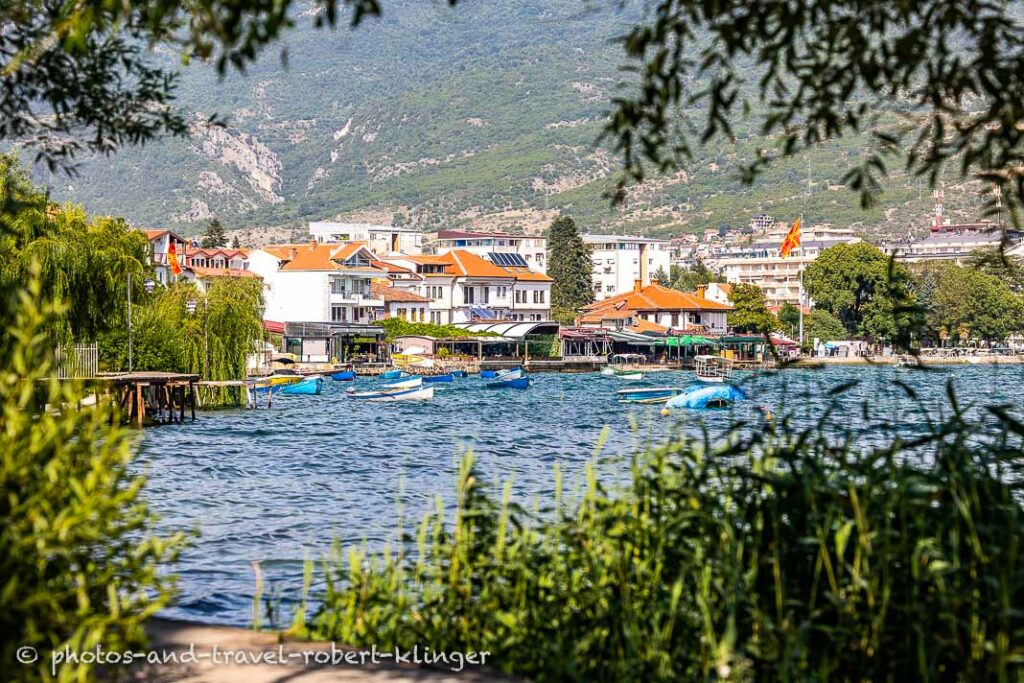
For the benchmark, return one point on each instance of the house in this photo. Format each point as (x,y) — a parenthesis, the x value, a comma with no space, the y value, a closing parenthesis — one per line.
(657,309)
(382,239)
(464,286)
(217,257)
(533,250)
(162,244)
(719,292)
(401,303)
(318,283)
(619,260)
(202,277)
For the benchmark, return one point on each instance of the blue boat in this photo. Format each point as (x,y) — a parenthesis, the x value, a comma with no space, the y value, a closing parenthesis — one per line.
(311,386)
(438,379)
(701,396)
(407,383)
(648,394)
(343,376)
(460,374)
(522,382)
(394,374)
(488,374)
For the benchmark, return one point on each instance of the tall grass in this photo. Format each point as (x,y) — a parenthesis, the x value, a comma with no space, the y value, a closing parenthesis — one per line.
(774,554)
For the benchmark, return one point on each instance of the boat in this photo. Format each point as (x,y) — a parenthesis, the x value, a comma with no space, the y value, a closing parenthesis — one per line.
(408,383)
(714,369)
(271,384)
(520,382)
(438,379)
(700,396)
(343,376)
(414,394)
(460,374)
(394,374)
(488,374)
(511,373)
(310,385)
(629,376)
(648,394)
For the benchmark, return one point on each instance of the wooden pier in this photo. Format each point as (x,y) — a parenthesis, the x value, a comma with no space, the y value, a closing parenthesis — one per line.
(162,397)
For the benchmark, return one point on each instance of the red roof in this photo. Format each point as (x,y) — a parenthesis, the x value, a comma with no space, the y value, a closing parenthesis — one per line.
(397,294)
(654,298)
(202,272)
(273,326)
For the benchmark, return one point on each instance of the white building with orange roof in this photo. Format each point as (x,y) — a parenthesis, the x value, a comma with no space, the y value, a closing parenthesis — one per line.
(401,303)
(382,239)
(161,243)
(316,282)
(217,257)
(656,308)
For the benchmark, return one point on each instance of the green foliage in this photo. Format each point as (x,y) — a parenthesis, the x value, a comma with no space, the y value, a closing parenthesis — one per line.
(214,235)
(750,311)
(865,289)
(570,265)
(688,280)
(84,262)
(998,263)
(78,559)
(661,277)
(563,316)
(820,324)
(964,304)
(397,327)
(775,556)
(789,318)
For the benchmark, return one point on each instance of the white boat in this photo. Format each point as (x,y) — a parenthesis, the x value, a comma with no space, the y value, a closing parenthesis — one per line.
(629,376)
(712,368)
(404,384)
(413,394)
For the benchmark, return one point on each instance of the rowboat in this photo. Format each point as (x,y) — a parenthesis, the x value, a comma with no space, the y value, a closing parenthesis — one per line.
(648,394)
(273,383)
(460,374)
(521,382)
(343,376)
(310,385)
(627,375)
(394,374)
(413,394)
(700,396)
(438,379)
(488,374)
(511,373)
(712,368)
(415,381)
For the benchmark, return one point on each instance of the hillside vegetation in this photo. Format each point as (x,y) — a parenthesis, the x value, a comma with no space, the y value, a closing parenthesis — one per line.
(486,115)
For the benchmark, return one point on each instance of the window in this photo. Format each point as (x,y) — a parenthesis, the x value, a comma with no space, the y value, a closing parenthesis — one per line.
(536,297)
(339,314)
(487,294)
(609,288)
(400,313)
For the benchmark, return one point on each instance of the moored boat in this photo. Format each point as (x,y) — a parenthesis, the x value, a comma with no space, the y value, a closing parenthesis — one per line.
(394,374)
(309,385)
(343,375)
(460,374)
(438,379)
(629,376)
(518,382)
(488,374)
(648,394)
(511,373)
(408,383)
(420,393)
(271,384)
(700,396)
(714,369)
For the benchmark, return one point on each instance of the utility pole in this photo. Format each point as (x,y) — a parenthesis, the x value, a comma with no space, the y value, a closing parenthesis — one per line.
(129,321)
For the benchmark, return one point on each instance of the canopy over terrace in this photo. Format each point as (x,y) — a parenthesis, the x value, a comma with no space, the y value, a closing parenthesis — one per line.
(479,347)
(513,330)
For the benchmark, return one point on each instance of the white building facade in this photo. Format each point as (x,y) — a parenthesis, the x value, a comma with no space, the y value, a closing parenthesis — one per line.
(381,239)
(532,249)
(620,261)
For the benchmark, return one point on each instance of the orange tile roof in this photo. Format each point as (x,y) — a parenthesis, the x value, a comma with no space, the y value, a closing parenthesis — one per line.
(658,298)
(528,275)
(467,264)
(606,314)
(322,256)
(641,326)
(390,267)
(154,234)
(201,251)
(395,294)
(423,259)
(202,272)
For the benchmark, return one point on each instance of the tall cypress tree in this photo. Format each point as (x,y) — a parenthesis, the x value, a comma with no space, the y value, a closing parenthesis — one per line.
(570,266)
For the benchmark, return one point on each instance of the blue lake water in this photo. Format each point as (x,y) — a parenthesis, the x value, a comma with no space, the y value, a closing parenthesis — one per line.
(279,485)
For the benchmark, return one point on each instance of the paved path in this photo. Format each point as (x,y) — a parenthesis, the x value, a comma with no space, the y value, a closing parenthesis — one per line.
(184,639)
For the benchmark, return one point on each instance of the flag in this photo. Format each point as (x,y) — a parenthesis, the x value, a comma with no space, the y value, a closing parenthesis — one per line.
(172,258)
(792,240)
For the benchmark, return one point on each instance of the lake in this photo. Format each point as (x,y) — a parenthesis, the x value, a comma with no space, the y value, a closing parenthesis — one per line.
(279,485)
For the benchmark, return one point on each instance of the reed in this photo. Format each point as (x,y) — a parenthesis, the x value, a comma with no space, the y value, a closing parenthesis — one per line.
(772,554)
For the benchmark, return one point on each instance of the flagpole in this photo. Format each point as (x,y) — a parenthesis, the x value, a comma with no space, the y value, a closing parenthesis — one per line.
(800,302)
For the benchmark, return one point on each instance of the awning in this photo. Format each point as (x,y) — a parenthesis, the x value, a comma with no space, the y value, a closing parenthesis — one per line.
(634,338)
(513,330)
(742,340)
(691,340)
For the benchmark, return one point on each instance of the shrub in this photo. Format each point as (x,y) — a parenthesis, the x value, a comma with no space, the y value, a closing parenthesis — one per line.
(775,556)
(78,564)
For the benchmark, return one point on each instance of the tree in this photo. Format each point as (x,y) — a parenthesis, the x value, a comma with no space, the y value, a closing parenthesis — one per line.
(820,324)
(214,236)
(995,262)
(964,304)
(750,313)
(789,318)
(688,280)
(866,290)
(570,265)
(661,277)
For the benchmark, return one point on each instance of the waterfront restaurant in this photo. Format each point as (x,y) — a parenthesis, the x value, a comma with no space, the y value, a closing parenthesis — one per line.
(317,342)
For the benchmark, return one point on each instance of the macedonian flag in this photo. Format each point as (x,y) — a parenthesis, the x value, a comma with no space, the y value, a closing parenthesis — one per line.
(792,240)
(172,259)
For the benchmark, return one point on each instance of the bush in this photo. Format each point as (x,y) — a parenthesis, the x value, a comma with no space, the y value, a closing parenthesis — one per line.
(776,556)
(78,564)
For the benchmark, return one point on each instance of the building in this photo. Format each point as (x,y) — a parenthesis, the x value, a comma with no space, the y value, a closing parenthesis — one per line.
(953,243)
(463,287)
(532,249)
(758,263)
(761,222)
(620,260)
(160,242)
(318,283)
(381,239)
(657,309)
(719,292)
(401,303)
(217,258)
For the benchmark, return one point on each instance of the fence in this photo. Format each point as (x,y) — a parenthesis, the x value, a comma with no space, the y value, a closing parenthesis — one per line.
(80,360)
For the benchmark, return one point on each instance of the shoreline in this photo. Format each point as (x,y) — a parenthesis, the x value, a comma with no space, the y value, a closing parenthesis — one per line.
(908,361)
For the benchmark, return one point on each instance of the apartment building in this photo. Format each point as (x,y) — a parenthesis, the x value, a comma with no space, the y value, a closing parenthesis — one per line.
(532,249)
(620,260)
(381,239)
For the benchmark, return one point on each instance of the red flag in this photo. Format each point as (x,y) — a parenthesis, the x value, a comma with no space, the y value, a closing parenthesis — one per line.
(792,240)
(172,258)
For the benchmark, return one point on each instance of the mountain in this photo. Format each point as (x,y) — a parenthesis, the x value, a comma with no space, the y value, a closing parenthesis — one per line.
(485,115)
